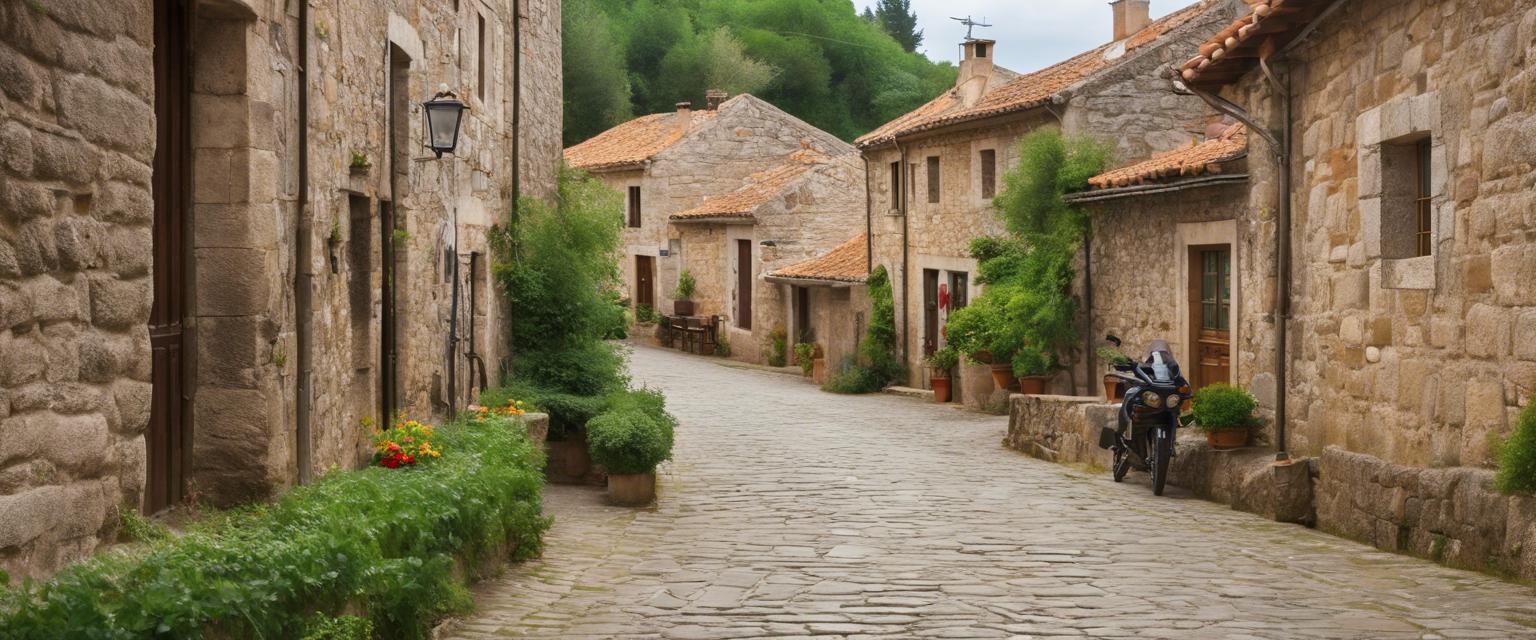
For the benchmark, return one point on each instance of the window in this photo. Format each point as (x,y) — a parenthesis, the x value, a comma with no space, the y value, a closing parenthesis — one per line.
(896,185)
(959,290)
(1423,241)
(981,49)
(988,173)
(480,58)
(634,207)
(933,179)
(911,181)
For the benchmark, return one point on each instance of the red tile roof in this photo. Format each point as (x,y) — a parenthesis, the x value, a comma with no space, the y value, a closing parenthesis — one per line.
(1031,89)
(630,144)
(848,262)
(760,188)
(1269,26)
(1196,159)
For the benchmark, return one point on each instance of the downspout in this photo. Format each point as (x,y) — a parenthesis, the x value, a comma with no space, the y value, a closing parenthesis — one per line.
(505,366)
(869,219)
(303,249)
(906,289)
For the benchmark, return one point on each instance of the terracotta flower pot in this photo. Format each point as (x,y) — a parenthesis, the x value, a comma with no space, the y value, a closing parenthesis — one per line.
(1114,389)
(1227,438)
(682,307)
(818,370)
(1002,375)
(1033,384)
(567,460)
(632,490)
(940,389)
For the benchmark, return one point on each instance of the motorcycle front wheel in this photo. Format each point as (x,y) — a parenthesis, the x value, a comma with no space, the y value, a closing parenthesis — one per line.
(1122,463)
(1162,452)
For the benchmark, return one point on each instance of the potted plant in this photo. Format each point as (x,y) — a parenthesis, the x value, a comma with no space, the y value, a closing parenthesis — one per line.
(682,303)
(1226,414)
(805,356)
(629,443)
(1114,386)
(940,363)
(778,342)
(359,164)
(1032,365)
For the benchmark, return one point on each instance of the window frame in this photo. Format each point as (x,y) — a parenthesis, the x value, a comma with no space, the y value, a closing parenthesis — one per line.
(987,158)
(633,203)
(935,184)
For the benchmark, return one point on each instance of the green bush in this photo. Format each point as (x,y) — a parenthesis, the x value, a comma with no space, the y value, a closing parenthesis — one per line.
(628,441)
(645,314)
(382,541)
(340,628)
(877,364)
(1517,455)
(567,412)
(778,343)
(685,286)
(804,353)
(1031,361)
(1113,356)
(943,359)
(1222,406)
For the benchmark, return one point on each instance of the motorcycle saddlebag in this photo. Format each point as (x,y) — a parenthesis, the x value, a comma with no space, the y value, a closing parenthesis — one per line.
(1107,437)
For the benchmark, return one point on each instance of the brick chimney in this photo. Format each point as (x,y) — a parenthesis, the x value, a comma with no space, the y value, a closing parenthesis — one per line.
(975,70)
(1130,16)
(713,98)
(684,116)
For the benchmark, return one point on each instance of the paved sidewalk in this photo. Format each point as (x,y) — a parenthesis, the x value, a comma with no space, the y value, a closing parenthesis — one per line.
(789,512)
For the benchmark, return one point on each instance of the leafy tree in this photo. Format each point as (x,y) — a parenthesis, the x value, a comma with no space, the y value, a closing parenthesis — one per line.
(898,20)
(596,83)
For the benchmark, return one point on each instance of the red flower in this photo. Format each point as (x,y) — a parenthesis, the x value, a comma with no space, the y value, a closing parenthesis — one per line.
(392,447)
(408,459)
(390,462)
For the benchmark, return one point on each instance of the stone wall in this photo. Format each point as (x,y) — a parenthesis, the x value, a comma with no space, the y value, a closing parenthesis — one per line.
(76,239)
(1442,349)
(75,225)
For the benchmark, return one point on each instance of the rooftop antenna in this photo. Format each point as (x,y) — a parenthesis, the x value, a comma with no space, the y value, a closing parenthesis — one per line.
(969,25)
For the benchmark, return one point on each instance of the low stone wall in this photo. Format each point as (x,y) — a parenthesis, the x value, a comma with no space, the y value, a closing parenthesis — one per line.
(1451,515)
(1065,429)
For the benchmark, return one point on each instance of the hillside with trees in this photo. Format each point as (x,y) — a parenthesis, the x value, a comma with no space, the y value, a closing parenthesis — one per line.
(817,59)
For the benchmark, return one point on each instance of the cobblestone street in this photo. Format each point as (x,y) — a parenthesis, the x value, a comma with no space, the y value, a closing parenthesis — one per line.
(789,512)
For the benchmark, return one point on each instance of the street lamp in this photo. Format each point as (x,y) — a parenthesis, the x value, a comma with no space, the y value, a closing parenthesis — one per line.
(442,115)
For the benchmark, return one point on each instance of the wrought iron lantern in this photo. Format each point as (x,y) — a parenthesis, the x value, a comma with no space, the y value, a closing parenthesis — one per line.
(442,114)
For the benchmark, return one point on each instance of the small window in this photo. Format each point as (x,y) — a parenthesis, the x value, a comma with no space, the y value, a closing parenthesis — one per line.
(480,58)
(1423,241)
(911,181)
(634,207)
(988,173)
(981,49)
(896,185)
(933,179)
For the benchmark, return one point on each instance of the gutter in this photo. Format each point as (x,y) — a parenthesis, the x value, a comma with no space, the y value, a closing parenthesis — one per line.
(906,289)
(869,218)
(303,257)
(1117,193)
(813,282)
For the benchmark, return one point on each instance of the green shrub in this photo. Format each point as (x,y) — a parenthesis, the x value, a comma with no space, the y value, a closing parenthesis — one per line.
(1031,361)
(645,314)
(628,441)
(1113,356)
(1223,406)
(1517,455)
(340,628)
(876,364)
(685,286)
(134,527)
(850,378)
(384,541)
(943,359)
(567,412)
(722,346)
(778,344)
(805,352)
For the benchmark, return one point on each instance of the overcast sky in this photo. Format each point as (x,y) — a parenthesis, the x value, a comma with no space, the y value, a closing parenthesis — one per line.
(1030,34)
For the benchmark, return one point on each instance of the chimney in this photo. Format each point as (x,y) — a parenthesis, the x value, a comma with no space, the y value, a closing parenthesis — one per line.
(1130,16)
(684,115)
(713,98)
(975,70)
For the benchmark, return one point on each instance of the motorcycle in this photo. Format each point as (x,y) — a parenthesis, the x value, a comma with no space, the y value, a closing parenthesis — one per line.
(1148,422)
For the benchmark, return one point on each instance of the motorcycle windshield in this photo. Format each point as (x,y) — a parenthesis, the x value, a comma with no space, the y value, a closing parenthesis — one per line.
(1161,372)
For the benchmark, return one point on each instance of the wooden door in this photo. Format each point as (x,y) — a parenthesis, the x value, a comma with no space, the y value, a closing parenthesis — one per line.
(930,311)
(1210,308)
(166,441)
(645,281)
(803,330)
(744,284)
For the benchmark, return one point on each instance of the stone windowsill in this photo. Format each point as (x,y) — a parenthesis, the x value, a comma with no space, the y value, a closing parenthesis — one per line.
(1408,273)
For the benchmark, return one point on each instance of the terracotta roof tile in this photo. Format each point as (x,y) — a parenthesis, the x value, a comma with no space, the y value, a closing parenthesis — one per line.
(1197,159)
(1232,51)
(634,142)
(848,262)
(1031,89)
(760,188)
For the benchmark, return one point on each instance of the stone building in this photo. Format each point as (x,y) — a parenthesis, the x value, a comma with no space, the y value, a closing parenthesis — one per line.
(829,299)
(223,243)
(1381,255)
(729,193)
(938,167)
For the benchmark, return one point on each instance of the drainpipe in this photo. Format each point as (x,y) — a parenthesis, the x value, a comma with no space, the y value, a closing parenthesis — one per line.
(869,219)
(303,250)
(1280,149)
(1089,356)
(906,290)
(505,365)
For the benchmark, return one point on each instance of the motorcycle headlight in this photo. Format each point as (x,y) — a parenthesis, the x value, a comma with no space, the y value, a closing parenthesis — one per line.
(1151,399)
(1173,400)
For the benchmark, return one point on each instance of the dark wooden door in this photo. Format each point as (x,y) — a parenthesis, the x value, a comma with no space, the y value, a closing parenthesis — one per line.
(166,440)
(645,281)
(744,284)
(1211,272)
(930,311)
(803,330)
